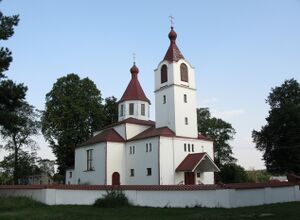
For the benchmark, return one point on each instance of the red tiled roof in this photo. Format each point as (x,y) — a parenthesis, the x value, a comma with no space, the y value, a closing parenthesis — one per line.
(173,52)
(153,132)
(104,136)
(203,137)
(131,121)
(152,187)
(190,162)
(134,89)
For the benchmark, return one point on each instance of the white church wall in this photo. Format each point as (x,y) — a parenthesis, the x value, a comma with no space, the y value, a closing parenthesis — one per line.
(164,111)
(166,164)
(96,176)
(140,160)
(185,110)
(172,154)
(132,129)
(115,161)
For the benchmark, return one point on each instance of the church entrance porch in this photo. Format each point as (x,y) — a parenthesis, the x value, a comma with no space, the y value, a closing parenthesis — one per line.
(196,163)
(115,178)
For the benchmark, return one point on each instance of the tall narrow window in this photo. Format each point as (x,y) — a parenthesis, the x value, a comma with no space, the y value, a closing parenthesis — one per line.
(142,109)
(122,110)
(131,108)
(147,147)
(185,147)
(164,99)
(150,147)
(184,76)
(149,171)
(131,172)
(192,147)
(89,159)
(164,74)
(133,149)
(185,98)
(186,120)
(189,147)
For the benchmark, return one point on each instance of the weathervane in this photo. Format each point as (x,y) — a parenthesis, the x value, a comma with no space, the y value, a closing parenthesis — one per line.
(171,20)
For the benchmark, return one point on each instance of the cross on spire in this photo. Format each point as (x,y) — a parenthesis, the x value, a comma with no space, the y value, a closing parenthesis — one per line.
(171,20)
(133,57)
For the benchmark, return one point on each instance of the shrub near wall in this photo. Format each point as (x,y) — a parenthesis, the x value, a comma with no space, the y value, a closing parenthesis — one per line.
(113,198)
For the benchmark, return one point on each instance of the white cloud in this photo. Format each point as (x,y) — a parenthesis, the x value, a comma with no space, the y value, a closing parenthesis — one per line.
(228,114)
(209,101)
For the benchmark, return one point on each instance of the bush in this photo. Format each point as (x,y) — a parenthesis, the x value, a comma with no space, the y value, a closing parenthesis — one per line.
(233,173)
(113,198)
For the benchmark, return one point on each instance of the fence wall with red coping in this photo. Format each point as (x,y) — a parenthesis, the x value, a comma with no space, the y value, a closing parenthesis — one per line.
(225,195)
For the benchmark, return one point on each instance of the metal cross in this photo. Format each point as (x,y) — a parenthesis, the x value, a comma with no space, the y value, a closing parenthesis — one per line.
(171,20)
(133,56)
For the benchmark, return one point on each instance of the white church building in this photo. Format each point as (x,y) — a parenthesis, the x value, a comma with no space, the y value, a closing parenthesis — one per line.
(138,151)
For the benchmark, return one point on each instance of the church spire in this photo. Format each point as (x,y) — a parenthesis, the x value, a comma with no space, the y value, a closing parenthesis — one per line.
(173,53)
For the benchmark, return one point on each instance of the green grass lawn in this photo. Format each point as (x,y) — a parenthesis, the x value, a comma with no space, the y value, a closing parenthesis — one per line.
(22,208)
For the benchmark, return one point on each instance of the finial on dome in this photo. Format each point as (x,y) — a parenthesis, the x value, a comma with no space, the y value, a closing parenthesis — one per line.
(134,70)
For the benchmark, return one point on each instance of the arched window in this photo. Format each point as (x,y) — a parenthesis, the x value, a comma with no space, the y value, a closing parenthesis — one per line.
(164,74)
(184,75)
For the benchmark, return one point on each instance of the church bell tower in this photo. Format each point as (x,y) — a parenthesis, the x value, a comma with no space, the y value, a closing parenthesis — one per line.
(175,92)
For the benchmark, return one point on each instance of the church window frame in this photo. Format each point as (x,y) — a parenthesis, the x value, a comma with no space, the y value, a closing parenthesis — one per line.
(164,99)
(131,108)
(185,98)
(149,171)
(122,110)
(131,172)
(164,74)
(184,73)
(143,109)
(186,121)
(89,160)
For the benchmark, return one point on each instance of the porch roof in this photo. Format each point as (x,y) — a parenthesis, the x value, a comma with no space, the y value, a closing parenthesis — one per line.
(197,161)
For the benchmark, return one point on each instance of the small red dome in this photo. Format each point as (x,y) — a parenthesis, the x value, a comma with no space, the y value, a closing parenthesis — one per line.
(134,69)
(172,35)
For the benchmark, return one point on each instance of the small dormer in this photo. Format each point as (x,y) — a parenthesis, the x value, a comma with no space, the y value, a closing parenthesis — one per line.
(134,103)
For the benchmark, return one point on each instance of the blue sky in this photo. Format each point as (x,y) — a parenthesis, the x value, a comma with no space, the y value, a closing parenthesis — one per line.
(240,49)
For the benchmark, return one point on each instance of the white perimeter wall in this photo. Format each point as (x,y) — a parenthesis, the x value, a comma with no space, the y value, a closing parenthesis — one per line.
(226,198)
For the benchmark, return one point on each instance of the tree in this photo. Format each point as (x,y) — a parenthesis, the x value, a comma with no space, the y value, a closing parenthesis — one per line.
(110,110)
(233,173)
(7,24)
(279,139)
(72,113)
(26,167)
(18,134)
(220,132)
(11,94)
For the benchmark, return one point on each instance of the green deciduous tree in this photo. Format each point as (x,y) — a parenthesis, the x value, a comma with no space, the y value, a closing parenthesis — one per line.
(11,94)
(220,132)
(279,139)
(110,110)
(7,24)
(72,113)
(17,135)
(233,173)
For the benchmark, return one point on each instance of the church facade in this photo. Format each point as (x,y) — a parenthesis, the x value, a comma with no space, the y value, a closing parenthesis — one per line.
(138,151)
